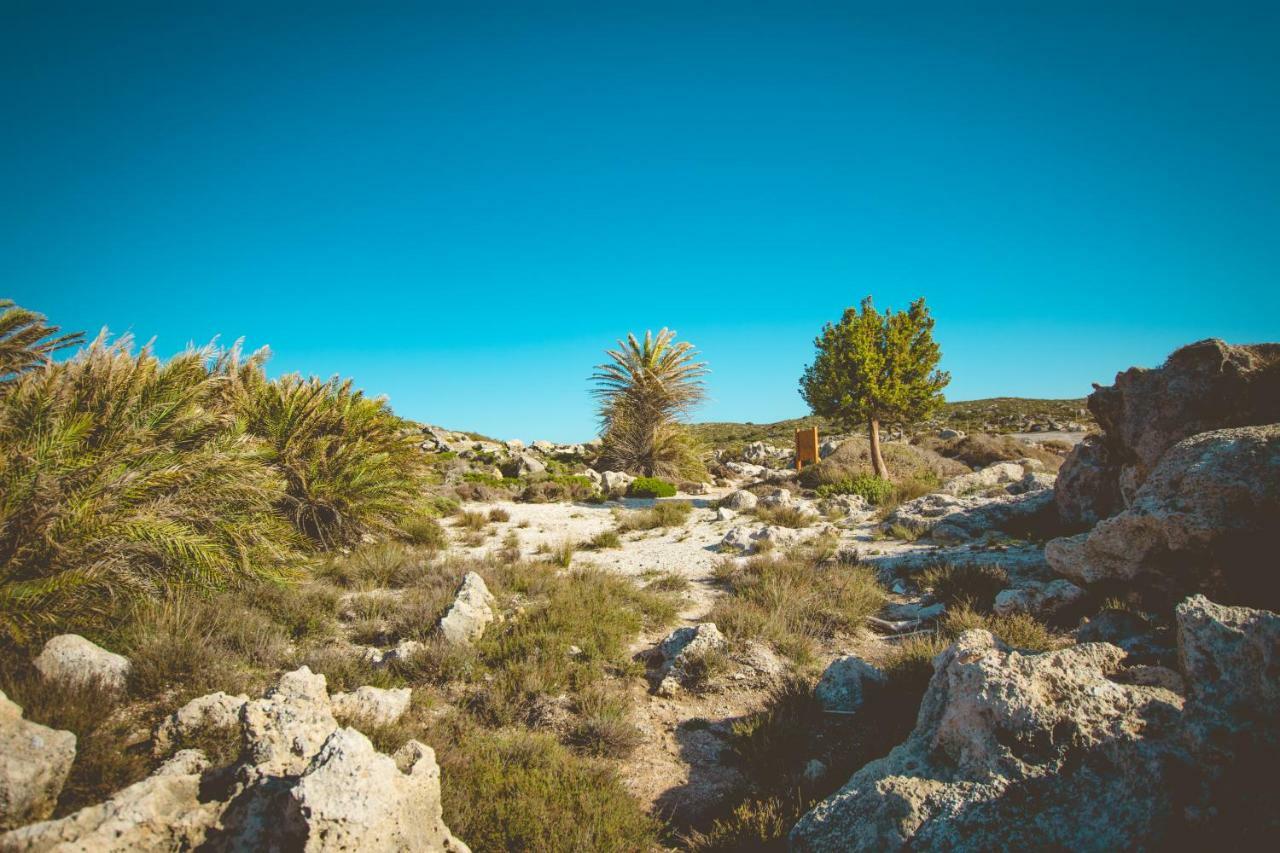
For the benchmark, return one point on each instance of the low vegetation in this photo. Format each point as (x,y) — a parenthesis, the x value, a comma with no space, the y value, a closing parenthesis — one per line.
(660,515)
(793,602)
(972,584)
(651,487)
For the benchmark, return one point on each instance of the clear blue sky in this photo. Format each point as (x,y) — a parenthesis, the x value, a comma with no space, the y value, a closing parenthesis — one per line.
(462,204)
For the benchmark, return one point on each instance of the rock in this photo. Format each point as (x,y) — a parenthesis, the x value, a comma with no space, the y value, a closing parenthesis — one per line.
(351,797)
(523,464)
(282,730)
(1042,600)
(1010,752)
(948,434)
(841,688)
(402,652)
(852,506)
(472,610)
(1206,519)
(544,446)
(947,518)
(747,470)
(813,771)
(993,475)
(1231,659)
(741,500)
(34,763)
(72,658)
(1206,386)
(749,538)
(683,649)
(162,812)
(302,784)
(616,482)
(777,498)
(762,454)
(214,711)
(725,514)
(828,446)
(595,477)
(374,705)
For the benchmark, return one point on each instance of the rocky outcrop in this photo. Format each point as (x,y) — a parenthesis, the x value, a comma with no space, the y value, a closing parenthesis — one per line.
(302,783)
(162,812)
(740,500)
(471,612)
(34,763)
(844,683)
(373,705)
(1209,385)
(746,539)
(999,474)
(1230,657)
(214,711)
(682,652)
(1015,752)
(947,518)
(72,658)
(1206,519)
(1043,600)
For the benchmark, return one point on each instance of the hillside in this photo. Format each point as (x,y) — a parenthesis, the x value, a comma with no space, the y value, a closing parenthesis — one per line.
(994,415)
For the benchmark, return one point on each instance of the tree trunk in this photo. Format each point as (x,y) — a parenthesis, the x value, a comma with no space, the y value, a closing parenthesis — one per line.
(877,461)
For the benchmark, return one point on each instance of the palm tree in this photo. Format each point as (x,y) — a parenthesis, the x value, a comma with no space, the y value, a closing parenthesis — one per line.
(644,390)
(26,341)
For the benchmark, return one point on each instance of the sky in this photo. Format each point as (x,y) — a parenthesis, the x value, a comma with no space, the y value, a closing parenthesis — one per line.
(461,205)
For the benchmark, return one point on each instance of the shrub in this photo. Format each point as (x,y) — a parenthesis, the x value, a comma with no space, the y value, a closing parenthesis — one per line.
(499,514)
(120,478)
(665,514)
(979,450)
(349,464)
(852,459)
(603,728)
(785,516)
(870,488)
(471,520)
(1019,630)
(602,540)
(424,531)
(559,488)
(651,487)
(789,602)
(974,584)
(668,582)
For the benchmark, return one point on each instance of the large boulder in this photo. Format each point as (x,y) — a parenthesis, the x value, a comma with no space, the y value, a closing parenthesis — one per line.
(843,685)
(1230,657)
(471,612)
(1206,519)
(741,500)
(162,812)
(34,763)
(72,658)
(376,706)
(302,783)
(683,651)
(352,797)
(1209,385)
(1015,752)
(999,474)
(214,711)
(948,518)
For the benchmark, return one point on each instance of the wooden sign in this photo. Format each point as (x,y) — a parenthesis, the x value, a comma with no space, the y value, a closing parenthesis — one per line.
(806,447)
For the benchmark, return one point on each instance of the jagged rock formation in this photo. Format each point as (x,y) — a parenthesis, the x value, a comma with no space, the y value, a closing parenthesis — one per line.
(302,783)
(34,763)
(1208,385)
(1011,495)
(683,650)
(1072,749)
(471,612)
(1207,518)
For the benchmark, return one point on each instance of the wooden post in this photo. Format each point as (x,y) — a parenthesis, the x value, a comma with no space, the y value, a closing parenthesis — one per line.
(806,447)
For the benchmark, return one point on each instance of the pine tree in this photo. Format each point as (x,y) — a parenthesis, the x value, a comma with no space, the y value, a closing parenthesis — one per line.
(876,370)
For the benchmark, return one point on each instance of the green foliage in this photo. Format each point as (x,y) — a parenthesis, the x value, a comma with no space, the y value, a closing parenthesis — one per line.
(791,601)
(121,476)
(873,367)
(644,390)
(350,465)
(27,341)
(423,530)
(785,516)
(1019,630)
(602,540)
(651,487)
(663,514)
(869,487)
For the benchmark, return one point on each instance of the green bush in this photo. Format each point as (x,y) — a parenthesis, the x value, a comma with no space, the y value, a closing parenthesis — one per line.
(122,476)
(650,487)
(666,514)
(871,489)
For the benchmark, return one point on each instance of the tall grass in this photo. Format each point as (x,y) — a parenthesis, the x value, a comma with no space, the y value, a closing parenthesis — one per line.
(126,477)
